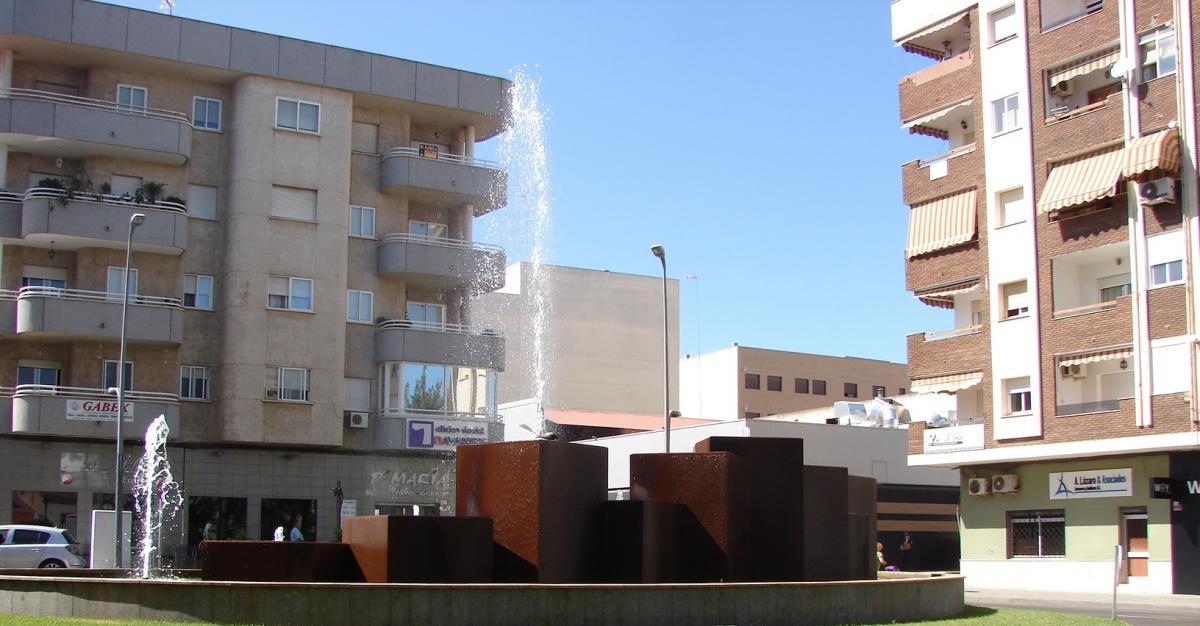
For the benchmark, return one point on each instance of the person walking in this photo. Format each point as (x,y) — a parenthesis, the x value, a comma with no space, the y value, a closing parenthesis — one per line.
(906,548)
(296,534)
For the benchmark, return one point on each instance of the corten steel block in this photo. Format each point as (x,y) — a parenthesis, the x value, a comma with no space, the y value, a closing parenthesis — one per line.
(403,549)
(863,527)
(544,498)
(278,561)
(656,542)
(826,508)
(713,487)
(775,516)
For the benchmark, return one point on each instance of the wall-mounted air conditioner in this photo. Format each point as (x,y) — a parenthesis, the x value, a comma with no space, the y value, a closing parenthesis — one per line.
(356,419)
(1072,371)
(1006,483)
(1062,89)
(1158,191)
(979,486)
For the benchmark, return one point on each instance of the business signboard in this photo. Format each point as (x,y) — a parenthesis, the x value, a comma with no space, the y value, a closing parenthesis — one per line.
(1103,483)
(97,410)
(434,434)
(954,439)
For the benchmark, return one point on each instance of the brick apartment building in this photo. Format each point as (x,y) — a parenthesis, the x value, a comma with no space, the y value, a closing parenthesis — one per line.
(1059,230)
(299,311)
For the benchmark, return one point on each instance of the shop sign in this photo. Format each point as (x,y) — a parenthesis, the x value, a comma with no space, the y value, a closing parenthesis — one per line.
(97,410)
(954,439)
(349,509)
(433,434)
(1105,483)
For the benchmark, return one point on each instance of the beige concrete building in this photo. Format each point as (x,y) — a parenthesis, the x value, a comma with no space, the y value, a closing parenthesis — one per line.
(744,382)
(299,287)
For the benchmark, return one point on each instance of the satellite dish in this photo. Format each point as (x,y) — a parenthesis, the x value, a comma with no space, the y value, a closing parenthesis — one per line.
(1121,68)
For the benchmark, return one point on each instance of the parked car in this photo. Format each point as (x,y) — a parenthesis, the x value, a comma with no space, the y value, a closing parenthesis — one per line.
(23,545)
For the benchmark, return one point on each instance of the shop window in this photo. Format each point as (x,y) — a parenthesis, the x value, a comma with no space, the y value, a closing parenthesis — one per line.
(1037,534)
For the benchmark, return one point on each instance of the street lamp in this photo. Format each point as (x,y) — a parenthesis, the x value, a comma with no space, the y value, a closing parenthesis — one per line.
(135,220)
(661,252)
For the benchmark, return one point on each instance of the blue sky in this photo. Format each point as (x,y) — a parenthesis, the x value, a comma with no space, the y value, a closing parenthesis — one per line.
(758,141)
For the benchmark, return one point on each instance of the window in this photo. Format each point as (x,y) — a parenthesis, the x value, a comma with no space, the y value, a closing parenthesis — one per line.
(1015,297)
(977,312)
(202,201)
(364,138)
(38,276)
(1003,23)
(431,230)
(197,291)
(359,306)
(206,113)
(1164,255)
(1037,533)
(193,382)
(362,221)
(116,282)
(1158,53)
(1020,397)
(850,390)
(131,98)
(297,115)
(425,387)
(1004,114)
(801,385)
(422,387)
(110,375)
(774,383)
(290,293)
(1113,287)
(751,415)
(818,387)
(878,391)
(1166,273)
(358,394)
(287,383)
(29,537)
(294,203)
(1010,207)
(900,391)
(752,381)
(426,312)
(35,375)
(126,186)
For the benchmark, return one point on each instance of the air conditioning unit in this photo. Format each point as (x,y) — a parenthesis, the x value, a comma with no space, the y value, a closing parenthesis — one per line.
(1158,191)
(1062,89)
(1072,371)
(356,419)
(979,486)
(1006,483)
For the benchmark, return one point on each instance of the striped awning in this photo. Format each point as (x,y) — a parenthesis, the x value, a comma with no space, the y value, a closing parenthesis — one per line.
(1104,60)
(942,223)
(1157,151)
(1096,357)
(1082,181)
(946,384)
(943,297)
(907,42)
(936,115)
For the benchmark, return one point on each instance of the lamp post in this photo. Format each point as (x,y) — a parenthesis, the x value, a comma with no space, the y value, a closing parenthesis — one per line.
(661,252)
(135,220)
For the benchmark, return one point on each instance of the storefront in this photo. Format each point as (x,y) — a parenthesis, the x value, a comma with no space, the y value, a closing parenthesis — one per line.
(1185,520)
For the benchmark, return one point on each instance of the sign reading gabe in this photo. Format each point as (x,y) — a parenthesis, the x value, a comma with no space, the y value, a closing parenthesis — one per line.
(97,410)
(1106,483)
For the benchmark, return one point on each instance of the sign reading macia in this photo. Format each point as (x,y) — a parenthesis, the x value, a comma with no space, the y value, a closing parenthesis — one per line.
(97,410)
(1104,483)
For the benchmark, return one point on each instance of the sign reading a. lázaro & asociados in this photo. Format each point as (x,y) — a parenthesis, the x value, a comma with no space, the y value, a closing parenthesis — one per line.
(1104,483)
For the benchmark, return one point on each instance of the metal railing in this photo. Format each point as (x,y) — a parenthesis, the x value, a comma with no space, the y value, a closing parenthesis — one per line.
(36,95)
(6,392)
(482,418)
(87,196)
(86,393)
(97,296)
(458,244)
(441,156)
(1095,406)
(1087,308)
(945,156)
(437,327)
(11,196)
(8,294)
(954,332)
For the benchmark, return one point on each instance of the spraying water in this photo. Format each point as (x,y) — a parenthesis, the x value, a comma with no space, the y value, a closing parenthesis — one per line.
(157,495)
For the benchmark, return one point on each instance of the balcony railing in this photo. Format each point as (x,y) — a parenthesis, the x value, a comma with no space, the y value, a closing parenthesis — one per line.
(442,156)
(87,196)
(1095,406)
(954,332)
(97,296)
(438,327)
(91,103)
(1086,309)
(940,69)
(946,156)
(457,244)
(85,393)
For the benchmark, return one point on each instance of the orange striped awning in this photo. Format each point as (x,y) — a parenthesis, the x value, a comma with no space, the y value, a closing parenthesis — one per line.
(1082,181)
(1096,357)
(943,297)
(1084,66)
(1157,151)
(907,42)
(946,384)
(941,223)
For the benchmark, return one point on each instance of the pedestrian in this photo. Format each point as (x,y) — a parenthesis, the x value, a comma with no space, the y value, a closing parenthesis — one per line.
(906,548)
(879,554)
(296,534)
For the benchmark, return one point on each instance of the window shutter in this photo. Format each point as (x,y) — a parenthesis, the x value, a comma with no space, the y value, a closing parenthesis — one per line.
(202,201)
(294,203)
(364,138)
(122,185)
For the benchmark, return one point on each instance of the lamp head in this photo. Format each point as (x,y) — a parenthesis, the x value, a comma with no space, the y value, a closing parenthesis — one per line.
(659,251)
(136,219)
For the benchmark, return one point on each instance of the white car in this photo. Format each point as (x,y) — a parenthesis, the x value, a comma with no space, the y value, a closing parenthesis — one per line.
(39,546)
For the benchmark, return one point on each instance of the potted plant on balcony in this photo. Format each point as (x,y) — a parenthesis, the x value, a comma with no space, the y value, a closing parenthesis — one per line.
(150,192)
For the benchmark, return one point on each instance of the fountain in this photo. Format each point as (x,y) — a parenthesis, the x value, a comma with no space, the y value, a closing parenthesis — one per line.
(157,497)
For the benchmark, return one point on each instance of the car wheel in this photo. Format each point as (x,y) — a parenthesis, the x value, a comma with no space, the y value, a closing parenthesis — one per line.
(55,564)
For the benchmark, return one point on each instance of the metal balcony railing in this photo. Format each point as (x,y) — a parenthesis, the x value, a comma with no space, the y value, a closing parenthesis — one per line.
(87,196)
(8,294)
(85,393)
(458,244)
(35,95)
(954,332)
(441,156)
(437,327)
(1095,406)
(97,296)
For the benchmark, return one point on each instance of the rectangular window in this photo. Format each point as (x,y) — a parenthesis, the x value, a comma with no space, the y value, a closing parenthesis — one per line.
(131,98)
(801,385)
(198,291)
(977,312)
(206,113)
(878,391)
(1003,23)
(359,306)
(362,222)
(202,201)
(116,282)
(818,387)
(1166,273)
(850,390)
(358,394)
(1015,297)
(1010,206)
(294,203)
(426,312)
(126,186)
(39,276)
(289,293)
(364,138)
(32,375)
(774,383)
(1005,114)
(287,383)
(1020,396)
(1037,533)
(1113,287)
(425,387)
(193,382)
(752,381)
(109,377)
(298,115)
(432,230)
(1157,49)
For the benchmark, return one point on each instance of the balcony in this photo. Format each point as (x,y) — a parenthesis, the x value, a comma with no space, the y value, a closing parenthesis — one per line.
(942,174)
(6,410)
(47,312)
(939,85)
(443,179)
(57,125)
(958,349)
(450,344)
(93,220)
(1094,382)
(80,412)
(442,263)
(8,312)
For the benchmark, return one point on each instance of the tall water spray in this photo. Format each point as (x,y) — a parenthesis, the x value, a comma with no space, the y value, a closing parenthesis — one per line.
(157,495)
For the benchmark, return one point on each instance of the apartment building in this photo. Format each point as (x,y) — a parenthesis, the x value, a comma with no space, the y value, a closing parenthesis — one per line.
(1058,229)
(741,382)
(299,287)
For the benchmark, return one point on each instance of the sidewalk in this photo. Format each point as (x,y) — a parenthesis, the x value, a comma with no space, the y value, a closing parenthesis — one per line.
(1127,599)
